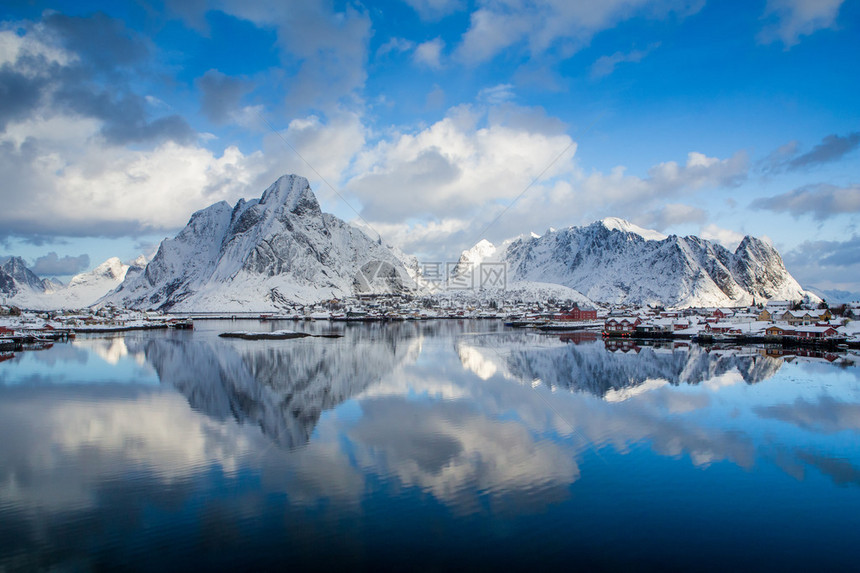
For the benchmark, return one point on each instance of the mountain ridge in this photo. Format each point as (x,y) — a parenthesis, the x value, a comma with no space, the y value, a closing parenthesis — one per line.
(280,249)
(261,255)
(612,261)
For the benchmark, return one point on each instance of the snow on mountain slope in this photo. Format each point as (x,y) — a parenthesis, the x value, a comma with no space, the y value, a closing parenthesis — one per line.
(468,269)
(613,261)
(84,289)
(616,224)
(19,278)
(263,254)
(52,285)
(834,296)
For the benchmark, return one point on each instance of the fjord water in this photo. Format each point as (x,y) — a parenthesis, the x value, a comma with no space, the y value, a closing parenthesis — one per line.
(425,445)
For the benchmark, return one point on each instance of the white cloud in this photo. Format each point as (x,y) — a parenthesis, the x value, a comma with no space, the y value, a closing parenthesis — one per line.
(453,167)
(671,214)
(497,94)
(726,237)
(328,47)
(547,24)
(458,449)
(394,45)
(35,44)
(327,147)
(433,191)
(821,201)
(432,10)
(796,18)
(827,264)
(435,98)
(78,186)
(605,65)
(430,53)
(667,179)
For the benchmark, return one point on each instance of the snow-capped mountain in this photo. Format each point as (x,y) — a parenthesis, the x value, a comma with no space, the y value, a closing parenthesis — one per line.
(489,281)
(834,296)
(86,288)
(20,286)
(261,255)
(52,285)
(614,261)
(16,277)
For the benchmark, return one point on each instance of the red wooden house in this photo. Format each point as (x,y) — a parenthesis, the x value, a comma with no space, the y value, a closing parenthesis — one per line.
(577,313)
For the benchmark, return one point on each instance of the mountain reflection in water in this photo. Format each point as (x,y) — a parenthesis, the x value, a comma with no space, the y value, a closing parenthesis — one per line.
(506,448)
(283,388)
(609,369)
(280,387)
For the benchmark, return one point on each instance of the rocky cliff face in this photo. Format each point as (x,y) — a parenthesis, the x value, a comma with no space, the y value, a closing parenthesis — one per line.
(15,277)
(263,254)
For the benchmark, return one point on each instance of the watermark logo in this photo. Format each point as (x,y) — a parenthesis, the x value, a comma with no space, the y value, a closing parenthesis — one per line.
(377,277)
(380,277)
(438,276)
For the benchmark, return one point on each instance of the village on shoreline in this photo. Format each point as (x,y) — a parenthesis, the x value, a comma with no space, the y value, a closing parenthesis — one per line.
(776,322)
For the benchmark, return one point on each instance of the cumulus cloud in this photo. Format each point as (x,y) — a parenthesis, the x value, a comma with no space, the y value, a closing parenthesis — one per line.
(820,262)
(220,95)
(605,65)
(789,20)
(630,193)
(504,170)
(101,42)
(73,181)
(544,25)
(452,167)
(398,45)
(820,200)
(430,53)
(327,48)
(671,214)
(52,264)
(726,237)
(327,148)
(82,66)
(83,154)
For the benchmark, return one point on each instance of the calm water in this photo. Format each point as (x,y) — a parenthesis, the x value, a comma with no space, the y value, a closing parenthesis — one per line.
(425,446)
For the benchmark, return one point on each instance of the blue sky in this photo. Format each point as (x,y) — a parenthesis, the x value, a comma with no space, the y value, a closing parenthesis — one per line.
(435,123)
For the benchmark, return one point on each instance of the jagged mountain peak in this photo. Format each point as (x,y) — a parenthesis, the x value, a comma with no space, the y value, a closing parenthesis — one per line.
(294,193)
(111,268)
(263,254)
(139,262)
(615,261)
(618,224)
(18,271)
